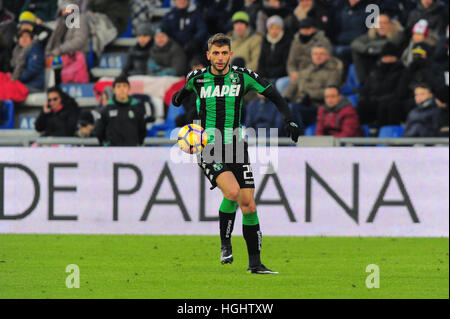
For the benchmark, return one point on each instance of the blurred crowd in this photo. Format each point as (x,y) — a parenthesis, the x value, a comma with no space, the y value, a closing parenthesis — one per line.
(341,64)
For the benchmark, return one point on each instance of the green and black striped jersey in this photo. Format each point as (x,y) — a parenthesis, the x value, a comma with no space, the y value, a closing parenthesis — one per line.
(220,99)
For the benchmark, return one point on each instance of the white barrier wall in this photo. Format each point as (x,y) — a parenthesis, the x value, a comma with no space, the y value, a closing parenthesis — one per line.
(313,192)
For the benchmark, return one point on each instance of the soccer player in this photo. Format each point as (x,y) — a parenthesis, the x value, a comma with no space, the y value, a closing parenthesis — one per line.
(220,90)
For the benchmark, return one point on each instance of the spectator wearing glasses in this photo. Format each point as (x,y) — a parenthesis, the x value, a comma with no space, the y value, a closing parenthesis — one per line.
(59,115)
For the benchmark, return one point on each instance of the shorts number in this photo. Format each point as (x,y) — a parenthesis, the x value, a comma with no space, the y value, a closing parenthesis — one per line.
(248,174)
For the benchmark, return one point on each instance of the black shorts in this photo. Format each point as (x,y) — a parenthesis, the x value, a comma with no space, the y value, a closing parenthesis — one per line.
(241,171)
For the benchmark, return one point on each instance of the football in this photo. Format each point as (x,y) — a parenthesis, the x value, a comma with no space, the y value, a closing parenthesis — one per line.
(192,138)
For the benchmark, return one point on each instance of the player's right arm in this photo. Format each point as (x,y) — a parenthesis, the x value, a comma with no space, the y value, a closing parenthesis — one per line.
(178,97)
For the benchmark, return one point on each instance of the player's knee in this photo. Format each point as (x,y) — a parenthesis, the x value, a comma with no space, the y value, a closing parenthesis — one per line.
(232,194)
(247,205)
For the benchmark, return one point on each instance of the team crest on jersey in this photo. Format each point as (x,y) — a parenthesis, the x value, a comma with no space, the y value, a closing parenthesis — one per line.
(234,78)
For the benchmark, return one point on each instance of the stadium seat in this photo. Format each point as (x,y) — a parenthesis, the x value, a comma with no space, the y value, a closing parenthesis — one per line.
(352,83)
(311,130)
(169,124)
(111,65)
(392,131)
(7,116)
(353,99)
(365,130)
(129,31)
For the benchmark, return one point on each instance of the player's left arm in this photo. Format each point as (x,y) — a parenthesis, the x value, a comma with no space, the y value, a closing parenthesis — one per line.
(255,83)
(180,96)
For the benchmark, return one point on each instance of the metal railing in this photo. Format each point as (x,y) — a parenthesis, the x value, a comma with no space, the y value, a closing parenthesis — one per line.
(29,138)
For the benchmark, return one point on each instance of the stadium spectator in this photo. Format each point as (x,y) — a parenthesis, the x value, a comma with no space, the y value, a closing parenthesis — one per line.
(252,7)
(262,114)
(275,8)
(138,56)
(275,48)
(419,71)
(118,11)
(186,26)
(318,11)
(423,121)
(431,10)
(122,122)
(245,43)
(442,102)
(5,55)
(217,14)
(59,116)
(337,117)
(419,36)
(300,52)
(166,56)
(142,11)
(366,48)
(44,10)
(7,24)
(306,93)
(28,62)
(86,125)
(378,101)
(66,40)
(350,23)
(28,21)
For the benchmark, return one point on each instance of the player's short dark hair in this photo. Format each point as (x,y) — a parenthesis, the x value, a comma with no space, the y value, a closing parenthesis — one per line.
(220,40)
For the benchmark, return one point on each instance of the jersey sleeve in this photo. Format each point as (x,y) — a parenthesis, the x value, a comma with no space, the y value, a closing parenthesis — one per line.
(190,82)
(254,82)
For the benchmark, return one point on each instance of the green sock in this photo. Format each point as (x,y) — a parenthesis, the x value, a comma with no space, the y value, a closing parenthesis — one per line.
(228,206)
(250,219)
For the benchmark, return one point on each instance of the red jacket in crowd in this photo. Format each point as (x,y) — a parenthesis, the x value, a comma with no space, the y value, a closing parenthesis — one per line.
(340,121)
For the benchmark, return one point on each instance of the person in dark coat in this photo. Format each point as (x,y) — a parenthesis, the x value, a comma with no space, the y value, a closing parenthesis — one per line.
(275,48)
(421,70)
(276,8)
(29,62)
(139,55)
(186,26)
(122,121)
(423,121)
(337,117)
(378,101)
(59,116)
(166,56)
(7,24)
(350,23)
(5,55)
(431,10)
(319,12)
(45,10)
(218,13)
(118,11)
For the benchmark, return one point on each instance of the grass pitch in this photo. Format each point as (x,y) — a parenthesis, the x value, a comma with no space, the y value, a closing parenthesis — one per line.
(186,267)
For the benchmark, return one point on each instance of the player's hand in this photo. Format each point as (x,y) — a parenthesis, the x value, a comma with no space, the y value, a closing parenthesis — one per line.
(175,99)
(293,130)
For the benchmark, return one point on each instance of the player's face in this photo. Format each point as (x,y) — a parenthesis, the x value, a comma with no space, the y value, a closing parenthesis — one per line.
(121,91)
(220,58)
